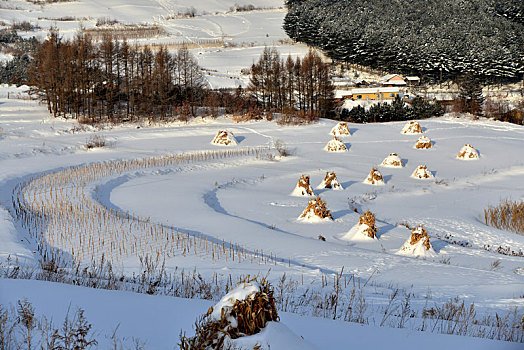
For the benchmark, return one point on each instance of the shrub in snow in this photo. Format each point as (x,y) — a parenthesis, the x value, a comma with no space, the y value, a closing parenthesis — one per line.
(303,188)
(364,230)
(418,244)
(330,181)
(316,211)
(341,129)
(392,161)
(423,142)
(335,145)
(468,153)
(224,138)
(96,141)
(244,311)
(374,178)
(412,127)
(422,172)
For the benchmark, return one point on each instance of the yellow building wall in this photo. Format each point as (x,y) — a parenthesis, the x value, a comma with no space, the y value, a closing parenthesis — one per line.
(383,96)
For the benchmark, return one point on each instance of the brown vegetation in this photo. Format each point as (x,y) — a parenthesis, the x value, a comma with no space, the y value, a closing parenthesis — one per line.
(251,315)
(467,152)
(304,185)
(419,233)
(303,84)
(374,177)
(336,145)
(330,180)
(507,215)
(423,142)
(412,127)
(318,207)
(368,218)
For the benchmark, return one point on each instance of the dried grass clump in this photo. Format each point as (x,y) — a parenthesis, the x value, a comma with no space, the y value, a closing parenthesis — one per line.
(368,218)
(419,233)
(316,207)
(423,142)
(336,145)
(374,177)
(224,138)
(393,161)
(95,141)
(303,187)
(468,152)
(246,317)
(422,172)
(508,215)
(341,129)
(412,127)
(330,181)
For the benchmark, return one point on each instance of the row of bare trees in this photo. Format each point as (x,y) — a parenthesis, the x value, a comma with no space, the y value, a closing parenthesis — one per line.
(302,84)
(113,80)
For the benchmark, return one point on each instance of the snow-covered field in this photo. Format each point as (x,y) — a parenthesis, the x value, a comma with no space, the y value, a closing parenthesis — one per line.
(233,214)
(246,201)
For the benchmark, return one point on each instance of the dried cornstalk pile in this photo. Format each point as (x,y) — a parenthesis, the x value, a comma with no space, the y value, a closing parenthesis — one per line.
(508,215)
(419,233)
(422,172)
(331,181)
(393,160)
(317,207)
(374,177)
(336,145)
(340,129)
(246,317)
(70,226)
(368,218)
(423,142)
(412,127)
(224,138)
(303,186)
(468,152)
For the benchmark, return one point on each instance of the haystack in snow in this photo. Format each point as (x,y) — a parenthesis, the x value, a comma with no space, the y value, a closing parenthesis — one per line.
(316,211)
(468,153)
(422,172)
(423,142)
(418,244)
(242,312)
(392,161)
(303,187)
(374,178)
(341,129)
(224,138)
(412,127)
(330,181)
(335,145)
(364,230)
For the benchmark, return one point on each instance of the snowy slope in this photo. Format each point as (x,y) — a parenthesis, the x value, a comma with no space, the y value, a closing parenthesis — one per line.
(157,321)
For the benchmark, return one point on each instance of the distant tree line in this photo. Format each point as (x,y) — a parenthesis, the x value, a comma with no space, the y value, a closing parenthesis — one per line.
(398,110)
(287,85)
(433,39)
(113,80)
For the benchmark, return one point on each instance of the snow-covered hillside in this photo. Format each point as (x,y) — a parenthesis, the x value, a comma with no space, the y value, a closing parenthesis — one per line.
(224,40)
(234,215)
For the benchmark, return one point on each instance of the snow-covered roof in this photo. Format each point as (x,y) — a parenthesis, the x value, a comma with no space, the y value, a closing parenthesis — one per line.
(412,78)
(375,90)
(389,77)
(394,82)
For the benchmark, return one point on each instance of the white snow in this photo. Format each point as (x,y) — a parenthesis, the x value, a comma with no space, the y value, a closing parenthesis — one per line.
(357,233)
(341,129)
(411,127)
(244,291)
(422,172)
(335,145)
(468,152)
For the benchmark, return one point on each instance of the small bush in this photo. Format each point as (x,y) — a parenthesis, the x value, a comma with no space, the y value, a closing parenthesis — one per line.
(96,141)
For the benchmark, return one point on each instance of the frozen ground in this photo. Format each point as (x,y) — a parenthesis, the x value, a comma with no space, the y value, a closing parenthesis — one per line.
(246,201)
